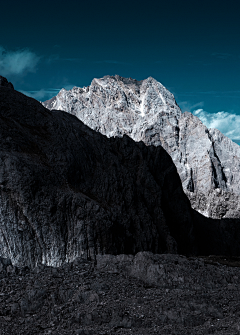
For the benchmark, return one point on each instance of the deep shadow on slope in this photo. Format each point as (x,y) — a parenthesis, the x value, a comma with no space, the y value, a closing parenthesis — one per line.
(67,191)
(217,237)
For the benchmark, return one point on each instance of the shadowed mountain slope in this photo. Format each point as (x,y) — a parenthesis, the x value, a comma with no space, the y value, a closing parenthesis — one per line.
(67,191)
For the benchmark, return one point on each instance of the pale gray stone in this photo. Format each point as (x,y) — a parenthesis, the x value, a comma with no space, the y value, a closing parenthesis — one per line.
(146,111)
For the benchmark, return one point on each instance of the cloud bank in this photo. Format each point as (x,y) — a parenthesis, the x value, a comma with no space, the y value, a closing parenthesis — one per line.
(17,62)
(227,123)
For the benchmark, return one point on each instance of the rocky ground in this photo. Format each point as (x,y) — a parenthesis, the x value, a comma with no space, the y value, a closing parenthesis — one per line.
(142,294)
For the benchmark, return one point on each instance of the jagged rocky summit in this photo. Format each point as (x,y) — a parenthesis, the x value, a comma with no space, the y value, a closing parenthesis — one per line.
(67,191)
(208,162)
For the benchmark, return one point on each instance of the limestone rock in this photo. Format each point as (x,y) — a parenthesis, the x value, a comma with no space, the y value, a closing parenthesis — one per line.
(146,111)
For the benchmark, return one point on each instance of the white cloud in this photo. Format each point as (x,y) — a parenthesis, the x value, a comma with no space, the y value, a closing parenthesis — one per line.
(44,94)
(187,106)
(17,62)
(227,123)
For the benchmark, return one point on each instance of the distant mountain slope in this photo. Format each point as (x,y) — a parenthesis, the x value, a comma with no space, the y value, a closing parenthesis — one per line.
(208,162)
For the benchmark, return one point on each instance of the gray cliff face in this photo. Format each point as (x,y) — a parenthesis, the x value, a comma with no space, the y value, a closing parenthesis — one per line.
(146,111)
(67,191)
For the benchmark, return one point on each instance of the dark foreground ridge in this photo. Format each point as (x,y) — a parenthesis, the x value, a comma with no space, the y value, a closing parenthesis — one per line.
(67,191)
(75,207)
(141,295)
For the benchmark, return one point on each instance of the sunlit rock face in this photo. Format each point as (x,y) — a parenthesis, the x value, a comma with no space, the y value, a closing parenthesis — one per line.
(146,111)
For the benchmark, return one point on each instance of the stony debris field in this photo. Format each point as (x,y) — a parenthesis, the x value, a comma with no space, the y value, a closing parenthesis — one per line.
(143,294)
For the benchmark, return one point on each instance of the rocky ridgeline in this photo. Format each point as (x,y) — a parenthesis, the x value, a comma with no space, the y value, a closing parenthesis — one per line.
(5,83)
(67,191)
(146,111)
(142,295)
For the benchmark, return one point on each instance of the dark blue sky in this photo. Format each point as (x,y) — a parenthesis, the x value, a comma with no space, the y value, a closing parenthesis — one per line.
(191,47)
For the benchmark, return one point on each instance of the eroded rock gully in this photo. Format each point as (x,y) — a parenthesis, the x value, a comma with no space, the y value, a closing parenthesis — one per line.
(143,294)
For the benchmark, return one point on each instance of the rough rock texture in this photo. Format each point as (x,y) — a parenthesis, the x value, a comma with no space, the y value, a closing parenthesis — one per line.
(67,191)
(141,295)
(146,111)
(216,203)
(213,163)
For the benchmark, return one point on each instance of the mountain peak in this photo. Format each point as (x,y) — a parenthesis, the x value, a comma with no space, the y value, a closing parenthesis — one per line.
(118,95)
(146,111)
